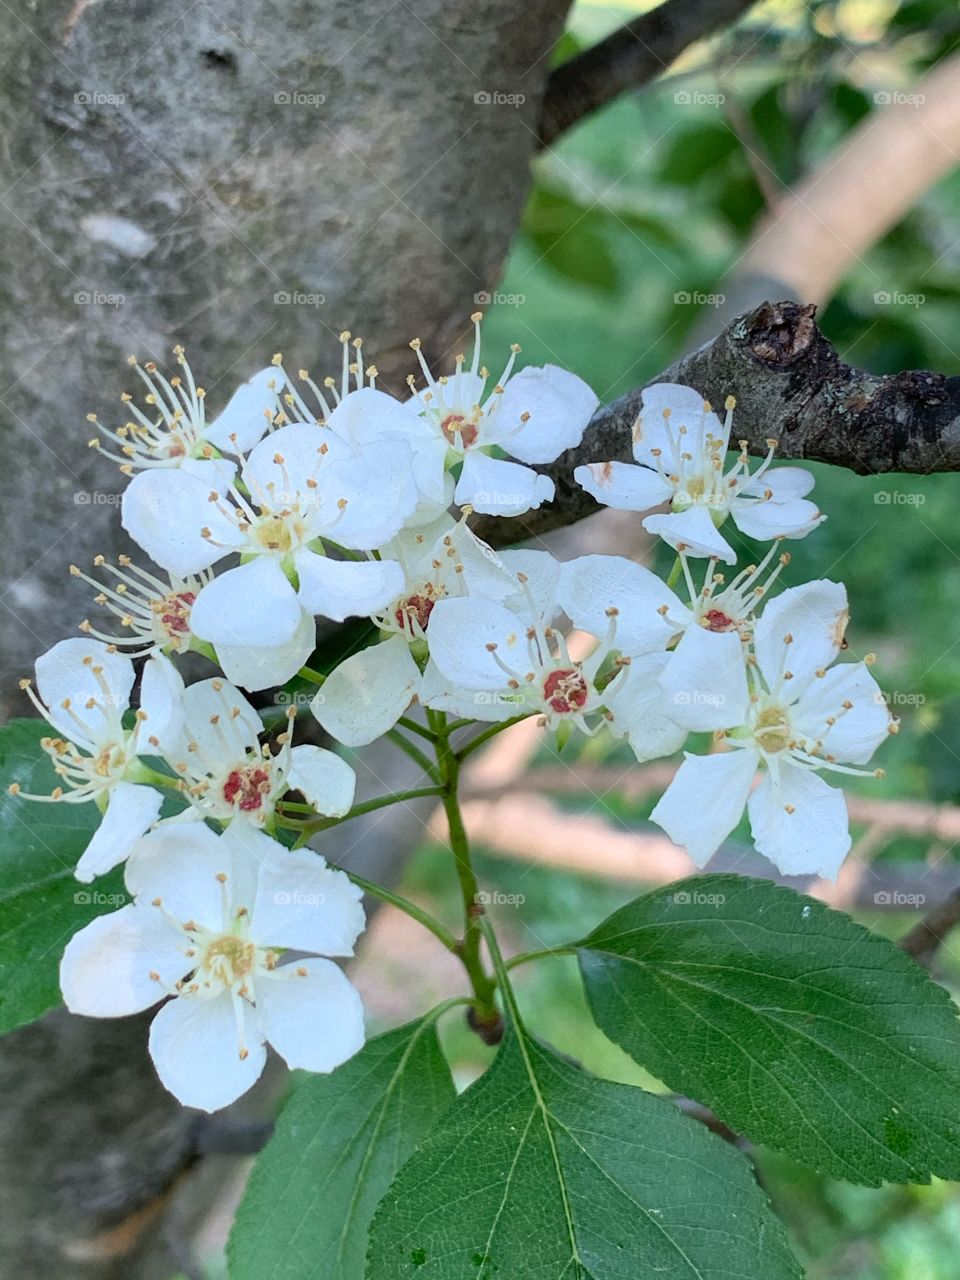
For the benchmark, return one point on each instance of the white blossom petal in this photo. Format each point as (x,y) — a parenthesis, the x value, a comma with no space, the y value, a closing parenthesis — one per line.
(538,596)
(441,694)
(215,473)
(248,413)
(325,779)
(221,725)
(623,485)
(106,966)
(341,589)
(68,672)
(461,633)
(368,692)
(376,493)
(131,810)
(767,519)
(858,730)
(161,700)
(784,483)
(166,511)
(705,800)
(196,1046)
(591,585)
(559,405)
(305,905)
(253,604)
(640,712)
(264,667)
(800,823)
(692,531)
(179,865)
(705,680)
(652,431)
(294,463)
(311,1014)
(499,488)
(815,615)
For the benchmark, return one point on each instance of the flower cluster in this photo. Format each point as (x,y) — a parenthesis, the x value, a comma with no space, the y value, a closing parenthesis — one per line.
(338,500)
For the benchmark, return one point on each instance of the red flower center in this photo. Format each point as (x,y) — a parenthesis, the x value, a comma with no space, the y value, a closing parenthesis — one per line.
(458,430)
(565,690)
(415,609)
(246,788)
(175,614)
(717,620)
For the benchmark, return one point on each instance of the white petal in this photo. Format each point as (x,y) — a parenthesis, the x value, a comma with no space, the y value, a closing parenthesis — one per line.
(305,905)
(623,485)
(499,488)
(538,596)
(215,473)
(441,694)
(161,699)
(590,585)
(248,413)
(306,452)
(68,672)
(705,680)
(368,692)
(326,780)
(195,1046)
(341,589)
(165,511)
(264,667)
(640,712)
(815,614)
(652,431)
(763,520)
(374,494)
(180,864)
(692,531)
(221,725)
(131,810)
(367,414)
(784,483)
(559,405)
(859,729)
(814,838)
(106,967)
(461,634)
(705,800)
(311,1014)
(254,604)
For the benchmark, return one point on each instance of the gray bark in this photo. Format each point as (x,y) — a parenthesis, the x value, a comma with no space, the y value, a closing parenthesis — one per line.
(169,175)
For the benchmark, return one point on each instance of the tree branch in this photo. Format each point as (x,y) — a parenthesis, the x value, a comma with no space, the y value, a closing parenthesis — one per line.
(790,385)
(632,55)
(924,939)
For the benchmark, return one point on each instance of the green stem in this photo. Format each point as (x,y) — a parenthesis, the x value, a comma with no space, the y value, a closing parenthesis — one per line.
(414,752)
(404,904)
(370,806)
(526,957)
(489,733)
(307,673)
(412,727)
(485,1009)
(675,572)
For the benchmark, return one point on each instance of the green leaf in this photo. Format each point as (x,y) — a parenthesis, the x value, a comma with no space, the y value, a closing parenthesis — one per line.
(799,1027)
(571,238)
(41,904)
(339,1141)
(540,1170)
(695,152)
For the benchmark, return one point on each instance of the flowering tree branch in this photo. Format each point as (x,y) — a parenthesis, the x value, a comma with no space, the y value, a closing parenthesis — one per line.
(790,385)
(634,54)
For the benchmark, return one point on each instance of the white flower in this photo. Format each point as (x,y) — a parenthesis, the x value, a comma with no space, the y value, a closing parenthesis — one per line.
(210,920)
(304,491)
(174,432)
(681,447)
(520,664)
(796,717)
(154,615)
(226,774)
(84,689)
(365,695)
(533,416)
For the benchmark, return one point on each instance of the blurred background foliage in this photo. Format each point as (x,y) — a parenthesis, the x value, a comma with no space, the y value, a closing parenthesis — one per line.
(635,218)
